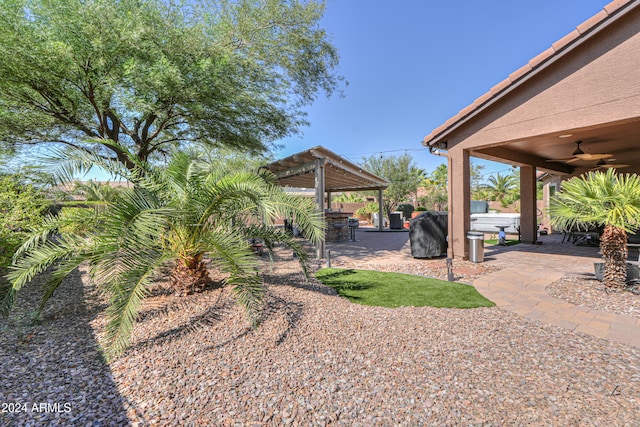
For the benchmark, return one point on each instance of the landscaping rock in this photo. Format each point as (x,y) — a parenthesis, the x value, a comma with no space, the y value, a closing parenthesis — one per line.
(315,360)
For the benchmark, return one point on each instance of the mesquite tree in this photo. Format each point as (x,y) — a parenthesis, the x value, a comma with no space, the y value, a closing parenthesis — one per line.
(150,75)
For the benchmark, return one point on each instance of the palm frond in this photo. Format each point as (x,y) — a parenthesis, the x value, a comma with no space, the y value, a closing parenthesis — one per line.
(44,232)
(126,296)
(68,163)
(232,254)
(232,194)
(308,219)
(272,235)
(249,291)
(250,195)
(598,198)
(137,214)
(36,261)
(57,277)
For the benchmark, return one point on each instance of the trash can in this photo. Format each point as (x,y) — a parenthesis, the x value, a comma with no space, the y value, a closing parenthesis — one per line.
(476,246)
(395,220)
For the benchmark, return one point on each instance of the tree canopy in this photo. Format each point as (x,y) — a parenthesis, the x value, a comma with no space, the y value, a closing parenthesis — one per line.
(403,175)
(503,188)
(435,185)
(150,75)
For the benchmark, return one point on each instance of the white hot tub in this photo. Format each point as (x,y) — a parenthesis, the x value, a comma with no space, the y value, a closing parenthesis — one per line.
(492,221)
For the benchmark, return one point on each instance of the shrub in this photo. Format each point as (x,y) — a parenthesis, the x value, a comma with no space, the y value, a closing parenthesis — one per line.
(22,207)
(406,209)
(9,242)
(76,220)
(366,210)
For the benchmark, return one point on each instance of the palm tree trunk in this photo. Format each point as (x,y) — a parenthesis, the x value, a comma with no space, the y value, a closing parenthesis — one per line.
(613,245)
(189,275)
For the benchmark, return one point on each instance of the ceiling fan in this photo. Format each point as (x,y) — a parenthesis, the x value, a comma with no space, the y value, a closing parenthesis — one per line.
(578,155)
(604,165)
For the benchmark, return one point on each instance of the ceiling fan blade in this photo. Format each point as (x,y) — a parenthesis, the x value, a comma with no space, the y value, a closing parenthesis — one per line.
(560,160)
(615,166)
(587,156)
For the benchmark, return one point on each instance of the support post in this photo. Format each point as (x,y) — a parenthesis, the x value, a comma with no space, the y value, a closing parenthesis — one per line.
(319,185)
(380,209)
(528,205)
(459,188)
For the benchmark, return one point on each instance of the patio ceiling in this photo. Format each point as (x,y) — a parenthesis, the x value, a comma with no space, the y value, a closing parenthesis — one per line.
(298,170)
(546,152)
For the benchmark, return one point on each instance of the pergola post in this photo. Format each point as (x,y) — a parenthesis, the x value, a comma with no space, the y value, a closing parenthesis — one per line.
(319,186)
(380,209)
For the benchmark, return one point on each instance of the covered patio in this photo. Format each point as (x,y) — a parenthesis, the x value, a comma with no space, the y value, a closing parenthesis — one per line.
(573,108)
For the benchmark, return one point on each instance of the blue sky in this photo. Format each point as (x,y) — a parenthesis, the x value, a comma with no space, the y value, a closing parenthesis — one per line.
(412,64)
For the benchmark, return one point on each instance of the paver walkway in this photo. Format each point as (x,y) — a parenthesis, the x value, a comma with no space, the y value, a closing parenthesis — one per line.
(526,270)
(519,286)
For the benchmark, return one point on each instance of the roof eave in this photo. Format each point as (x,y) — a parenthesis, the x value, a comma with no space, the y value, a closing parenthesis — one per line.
(583,32)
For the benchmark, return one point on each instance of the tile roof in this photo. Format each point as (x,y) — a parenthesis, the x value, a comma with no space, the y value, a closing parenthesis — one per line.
(535,63)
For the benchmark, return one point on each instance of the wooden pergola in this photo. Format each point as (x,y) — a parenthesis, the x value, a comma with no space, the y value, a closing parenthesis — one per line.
(327,173)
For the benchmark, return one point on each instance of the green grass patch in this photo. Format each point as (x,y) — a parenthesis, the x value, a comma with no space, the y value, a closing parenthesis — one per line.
(392,290)
(495,242)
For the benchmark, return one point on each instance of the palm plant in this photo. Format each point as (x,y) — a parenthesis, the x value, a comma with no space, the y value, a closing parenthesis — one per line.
(95,191)
(602,199)
(180,216)
(501,187)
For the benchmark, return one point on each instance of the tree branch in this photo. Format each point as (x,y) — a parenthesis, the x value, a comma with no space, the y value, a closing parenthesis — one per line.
(147,124)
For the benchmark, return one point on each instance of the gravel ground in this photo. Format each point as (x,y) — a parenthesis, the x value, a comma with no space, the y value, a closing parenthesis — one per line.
(317,359)
(589,292)
(53,372)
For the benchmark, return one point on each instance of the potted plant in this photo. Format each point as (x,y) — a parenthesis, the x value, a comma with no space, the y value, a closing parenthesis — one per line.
(605,199)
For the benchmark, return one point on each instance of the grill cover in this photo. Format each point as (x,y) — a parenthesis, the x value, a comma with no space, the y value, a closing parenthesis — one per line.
(428,234)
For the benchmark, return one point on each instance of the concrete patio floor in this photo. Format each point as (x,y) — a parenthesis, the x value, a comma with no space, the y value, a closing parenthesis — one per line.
(519,285)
